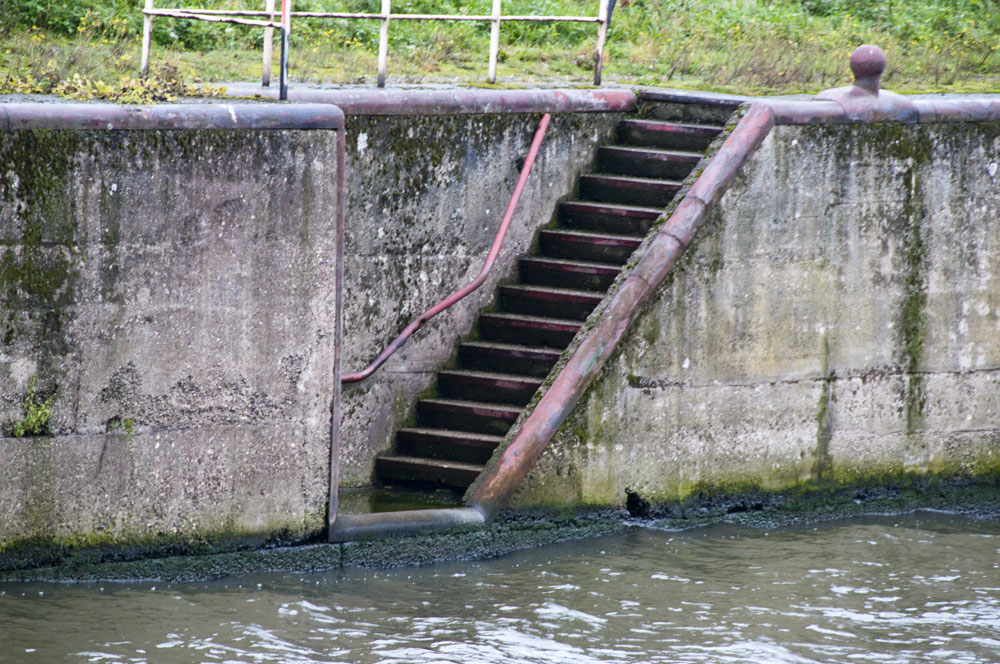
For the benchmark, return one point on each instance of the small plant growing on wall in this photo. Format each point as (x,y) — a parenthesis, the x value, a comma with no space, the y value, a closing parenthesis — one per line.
(37,414)
(121,425)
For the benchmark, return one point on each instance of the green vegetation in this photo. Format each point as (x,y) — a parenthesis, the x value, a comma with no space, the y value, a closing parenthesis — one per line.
(36,415)
(122,425)
(90,48)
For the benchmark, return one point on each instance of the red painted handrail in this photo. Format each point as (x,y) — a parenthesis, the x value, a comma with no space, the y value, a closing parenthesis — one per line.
(497,483)
(475,283)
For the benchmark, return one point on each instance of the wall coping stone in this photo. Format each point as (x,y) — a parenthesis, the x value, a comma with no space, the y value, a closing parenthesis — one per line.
(455,101)
(14,116)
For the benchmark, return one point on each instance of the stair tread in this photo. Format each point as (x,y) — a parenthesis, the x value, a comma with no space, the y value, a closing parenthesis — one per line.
(534,319)
(468,403)
(593,235)
(598,206)
(596,226)
(452,433)
(664,182)
(571,292)
(658,152)
(567,262)
(429,461)
(498,345)
(490,375)
(640,122)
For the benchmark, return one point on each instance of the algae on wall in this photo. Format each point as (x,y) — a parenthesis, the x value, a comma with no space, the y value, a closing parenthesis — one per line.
(194,389)
(172,290)
(425,197)
(834,324)
(38,272)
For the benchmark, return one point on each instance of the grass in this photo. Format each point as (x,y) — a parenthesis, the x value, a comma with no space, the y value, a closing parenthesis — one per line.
(740,46)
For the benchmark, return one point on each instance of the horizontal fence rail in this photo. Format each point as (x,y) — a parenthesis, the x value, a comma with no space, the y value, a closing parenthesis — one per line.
(266,19)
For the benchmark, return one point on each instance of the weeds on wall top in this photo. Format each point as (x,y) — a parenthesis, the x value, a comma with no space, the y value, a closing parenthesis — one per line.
(744,46)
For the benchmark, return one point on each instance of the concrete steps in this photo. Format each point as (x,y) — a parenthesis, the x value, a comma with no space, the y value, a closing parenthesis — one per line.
(646,162)
(482,385)
(528,330)
(511,358)
(625,219)
(542,300)
(588,245)
(669,135)
(561,273)
(467,415)
(641,191)
(518,344)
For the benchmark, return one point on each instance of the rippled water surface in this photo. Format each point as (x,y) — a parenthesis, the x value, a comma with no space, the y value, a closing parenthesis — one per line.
(917,588)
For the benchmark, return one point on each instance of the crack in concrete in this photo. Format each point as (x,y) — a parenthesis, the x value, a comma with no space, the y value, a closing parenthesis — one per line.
(644,383)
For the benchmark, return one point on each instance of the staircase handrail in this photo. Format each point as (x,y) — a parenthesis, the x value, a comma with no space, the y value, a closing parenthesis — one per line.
(483,273)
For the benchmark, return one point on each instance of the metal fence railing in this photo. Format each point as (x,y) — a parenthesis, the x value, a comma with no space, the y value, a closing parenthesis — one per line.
(265,19)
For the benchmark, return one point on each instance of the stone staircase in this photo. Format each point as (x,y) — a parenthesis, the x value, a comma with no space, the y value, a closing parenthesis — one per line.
(535,319)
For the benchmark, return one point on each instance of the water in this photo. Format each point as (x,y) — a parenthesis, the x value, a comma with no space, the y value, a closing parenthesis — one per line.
(923,587)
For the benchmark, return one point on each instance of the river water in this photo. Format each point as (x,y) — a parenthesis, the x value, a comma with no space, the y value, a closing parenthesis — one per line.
(922,587)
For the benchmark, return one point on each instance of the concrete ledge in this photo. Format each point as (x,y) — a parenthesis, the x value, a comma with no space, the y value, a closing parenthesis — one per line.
(975,109)
(455,101)
(982,109)
(806,112)
(169,116)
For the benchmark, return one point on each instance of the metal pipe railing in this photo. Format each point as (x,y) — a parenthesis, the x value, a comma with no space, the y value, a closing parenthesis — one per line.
(483,273)
(497,483)
(268,22)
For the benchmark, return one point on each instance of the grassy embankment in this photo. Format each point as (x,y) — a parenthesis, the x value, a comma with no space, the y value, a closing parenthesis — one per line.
(90,48)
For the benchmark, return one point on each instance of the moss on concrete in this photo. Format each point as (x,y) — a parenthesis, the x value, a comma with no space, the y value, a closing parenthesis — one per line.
(913,315)
(823,461)
(38,246)
(92,547)
(520,530)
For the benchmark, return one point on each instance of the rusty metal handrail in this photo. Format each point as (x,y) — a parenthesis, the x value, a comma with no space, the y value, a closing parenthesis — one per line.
(515,197)
(494,487)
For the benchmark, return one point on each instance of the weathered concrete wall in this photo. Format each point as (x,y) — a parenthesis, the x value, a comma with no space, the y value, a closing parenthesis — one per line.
(172,292)
(836,322)
(425,198)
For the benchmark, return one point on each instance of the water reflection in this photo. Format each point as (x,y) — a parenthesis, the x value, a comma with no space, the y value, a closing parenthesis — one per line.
(917,588)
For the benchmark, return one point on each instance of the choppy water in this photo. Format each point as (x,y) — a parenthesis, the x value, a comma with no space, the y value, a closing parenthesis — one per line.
(917,588)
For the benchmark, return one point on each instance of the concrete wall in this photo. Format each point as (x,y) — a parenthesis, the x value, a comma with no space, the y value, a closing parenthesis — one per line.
(173,293)
(170,291)
(837,322)
(425,198)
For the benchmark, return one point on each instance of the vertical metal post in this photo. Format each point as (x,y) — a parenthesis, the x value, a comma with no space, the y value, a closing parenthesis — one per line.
(265,75)
(286,28)
(147,38)
(383,42)
(602,36)
(494,41)
(338,320)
